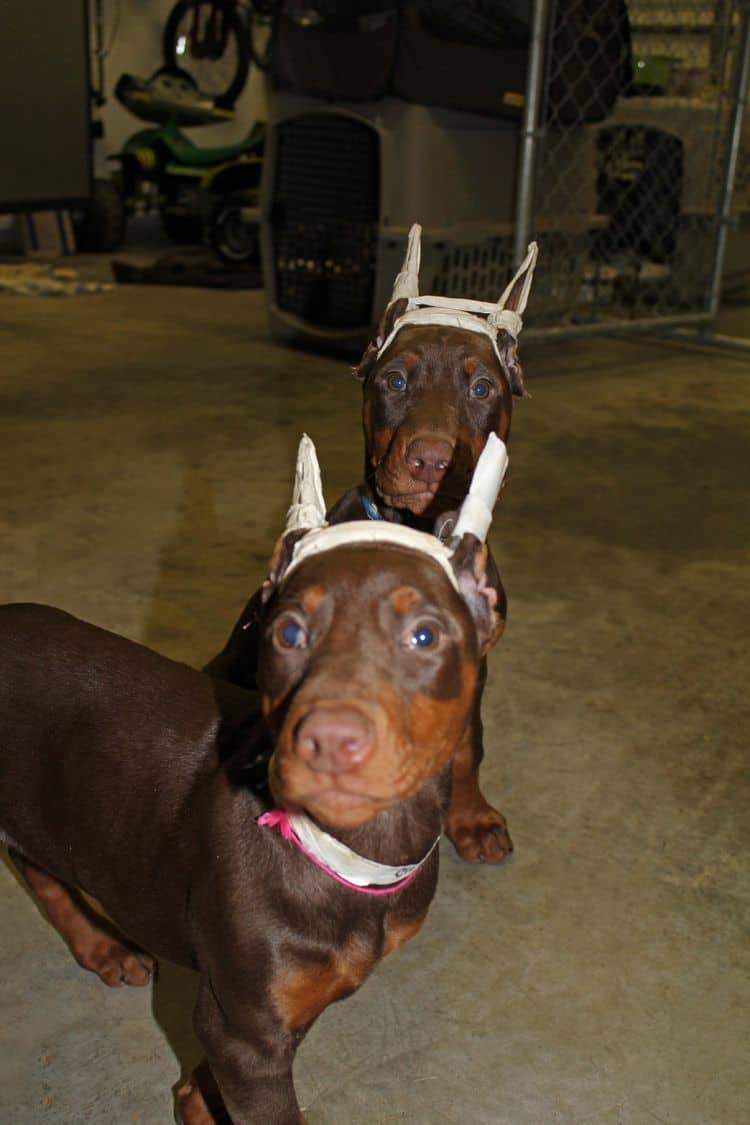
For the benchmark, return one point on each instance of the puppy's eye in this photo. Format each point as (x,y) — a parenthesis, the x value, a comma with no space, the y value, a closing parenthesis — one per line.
(288,633)
(423,636)
(481,388)
(397,381)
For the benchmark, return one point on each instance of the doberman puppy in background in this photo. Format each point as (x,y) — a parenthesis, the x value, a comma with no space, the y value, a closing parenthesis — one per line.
(438,378)
(135,779)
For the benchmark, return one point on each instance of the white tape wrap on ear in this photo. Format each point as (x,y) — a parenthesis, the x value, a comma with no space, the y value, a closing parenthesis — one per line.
(475,516)
(528,265)
(407,282)
(484,317)
(505,320)
(308,507)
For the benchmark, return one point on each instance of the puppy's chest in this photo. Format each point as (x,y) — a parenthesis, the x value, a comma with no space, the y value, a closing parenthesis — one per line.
(303,988)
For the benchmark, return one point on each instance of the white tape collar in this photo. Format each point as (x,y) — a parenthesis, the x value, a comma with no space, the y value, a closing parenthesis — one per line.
(340,860)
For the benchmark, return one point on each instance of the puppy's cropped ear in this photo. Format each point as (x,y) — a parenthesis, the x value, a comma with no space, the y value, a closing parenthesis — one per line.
(507,346)
(389,318)
(511,364)
(482,591)
(515,298)
(280,559)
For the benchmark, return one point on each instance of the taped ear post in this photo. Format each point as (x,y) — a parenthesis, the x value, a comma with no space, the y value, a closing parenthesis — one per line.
(476,511)
(308,507)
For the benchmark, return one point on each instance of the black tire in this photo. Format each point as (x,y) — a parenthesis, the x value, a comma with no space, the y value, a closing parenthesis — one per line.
(180,216)
(223,78)
(234,240)
(101,225)
(183,230)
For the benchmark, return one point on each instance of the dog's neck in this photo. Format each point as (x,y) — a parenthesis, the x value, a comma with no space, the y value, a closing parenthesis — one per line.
(375,508)
(404,833)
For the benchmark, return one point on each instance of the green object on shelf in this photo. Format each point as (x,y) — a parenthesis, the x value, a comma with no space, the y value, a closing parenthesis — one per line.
(653,71)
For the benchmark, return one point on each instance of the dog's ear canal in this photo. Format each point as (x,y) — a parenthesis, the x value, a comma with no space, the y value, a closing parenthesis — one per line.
(480,586)
(390,316)
(507,346)
(280,559)
(511,364)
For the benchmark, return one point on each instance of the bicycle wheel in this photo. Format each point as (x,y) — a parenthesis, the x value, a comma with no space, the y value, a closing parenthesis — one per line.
(262,26)
(211,40)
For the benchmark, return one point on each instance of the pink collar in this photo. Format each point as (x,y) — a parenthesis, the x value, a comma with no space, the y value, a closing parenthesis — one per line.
(336,859)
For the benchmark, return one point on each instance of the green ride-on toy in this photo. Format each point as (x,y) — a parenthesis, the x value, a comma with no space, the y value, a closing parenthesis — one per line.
(203,194)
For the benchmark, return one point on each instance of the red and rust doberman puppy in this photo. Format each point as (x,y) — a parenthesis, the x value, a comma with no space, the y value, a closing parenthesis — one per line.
(135,779)
(436,382)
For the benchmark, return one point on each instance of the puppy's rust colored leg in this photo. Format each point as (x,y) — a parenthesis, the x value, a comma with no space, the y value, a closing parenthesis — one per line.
(191,1106)
(94,946)
(478,832)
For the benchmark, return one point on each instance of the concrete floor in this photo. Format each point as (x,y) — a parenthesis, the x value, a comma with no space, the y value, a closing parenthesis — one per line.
(602,975)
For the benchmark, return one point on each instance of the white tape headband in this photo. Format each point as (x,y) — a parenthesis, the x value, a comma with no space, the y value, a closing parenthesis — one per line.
(371,533)
(457,312)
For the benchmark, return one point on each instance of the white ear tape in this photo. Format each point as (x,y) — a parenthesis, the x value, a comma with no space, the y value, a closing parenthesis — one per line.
(475,516)
(528,265)
(308,507)
(485,317)
(407,282)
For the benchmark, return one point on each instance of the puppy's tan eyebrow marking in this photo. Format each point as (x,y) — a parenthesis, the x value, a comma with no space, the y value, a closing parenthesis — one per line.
(405,599)
(410,360)
(312,598)
(471,363)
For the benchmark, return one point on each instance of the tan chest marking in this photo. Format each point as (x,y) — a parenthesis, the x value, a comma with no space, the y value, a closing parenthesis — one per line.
(399,930)
(302,992)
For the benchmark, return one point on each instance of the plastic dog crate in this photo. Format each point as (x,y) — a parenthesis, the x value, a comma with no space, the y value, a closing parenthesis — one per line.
(342,186)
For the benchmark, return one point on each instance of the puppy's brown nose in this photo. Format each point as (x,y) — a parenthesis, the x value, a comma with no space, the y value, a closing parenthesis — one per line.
(334,739)
(428,459)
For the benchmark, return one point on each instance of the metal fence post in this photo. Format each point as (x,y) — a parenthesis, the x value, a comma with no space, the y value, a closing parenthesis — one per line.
(724,217)
(529,132)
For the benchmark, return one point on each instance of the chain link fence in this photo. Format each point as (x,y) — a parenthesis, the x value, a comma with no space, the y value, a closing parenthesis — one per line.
(608,130)
(628,197)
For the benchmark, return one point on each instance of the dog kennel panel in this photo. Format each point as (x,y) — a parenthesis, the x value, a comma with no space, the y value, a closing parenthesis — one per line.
(343,185)
(323,219)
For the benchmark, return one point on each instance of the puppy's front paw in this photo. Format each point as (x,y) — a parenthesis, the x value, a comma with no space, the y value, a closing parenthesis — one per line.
(115,963)
(191,1108)
(479,833)
(198,1101)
